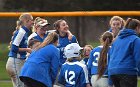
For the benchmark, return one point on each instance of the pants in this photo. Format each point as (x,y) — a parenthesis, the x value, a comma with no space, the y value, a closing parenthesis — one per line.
(123,80)
(56,84)
(13,68)
(102,82)
(29,82)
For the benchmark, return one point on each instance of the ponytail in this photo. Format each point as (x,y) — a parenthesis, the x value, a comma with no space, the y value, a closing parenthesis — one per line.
(106,40)
(18,25)
(51,38)
(102,62)
(132,23)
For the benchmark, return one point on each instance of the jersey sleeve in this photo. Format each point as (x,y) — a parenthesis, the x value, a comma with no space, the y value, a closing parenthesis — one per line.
(61,78)
(90,62)
(74,40)
(55,65)
(137,51)
(17,40)
(84,77)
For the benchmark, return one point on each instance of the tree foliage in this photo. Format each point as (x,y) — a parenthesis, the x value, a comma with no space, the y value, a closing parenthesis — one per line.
(71,5)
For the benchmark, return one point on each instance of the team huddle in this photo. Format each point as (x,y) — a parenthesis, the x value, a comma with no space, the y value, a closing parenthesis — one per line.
(50,58)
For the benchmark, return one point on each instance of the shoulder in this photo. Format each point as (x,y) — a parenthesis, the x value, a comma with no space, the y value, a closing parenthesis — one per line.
(32,36)
(77,63)
(21,31)
(98,48)
(52,48)
(73,37)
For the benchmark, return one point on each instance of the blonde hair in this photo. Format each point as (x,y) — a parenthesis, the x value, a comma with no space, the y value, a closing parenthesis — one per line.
(71,59)
(19,23)
(51,38)
(114,18)
(83,53)
(17,28)
(37,19)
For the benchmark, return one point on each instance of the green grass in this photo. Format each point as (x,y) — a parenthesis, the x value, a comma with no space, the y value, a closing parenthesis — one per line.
(94,44)
(139,83)
(3,51)
(3,73)
(3,60)
(6,84)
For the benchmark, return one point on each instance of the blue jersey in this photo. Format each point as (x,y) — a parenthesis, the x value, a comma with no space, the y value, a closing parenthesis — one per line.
(93,61)
(63,42)
(84,61)
(125,53)
(110,30)
(42,65)
(139,71)
(73,74)
(37,37)
(19,40)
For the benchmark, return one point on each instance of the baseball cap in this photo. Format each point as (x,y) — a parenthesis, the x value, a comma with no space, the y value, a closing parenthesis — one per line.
(72,50)
(43,23)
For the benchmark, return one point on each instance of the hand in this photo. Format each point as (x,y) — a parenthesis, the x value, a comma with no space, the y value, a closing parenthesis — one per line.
(69,35)
(29,50)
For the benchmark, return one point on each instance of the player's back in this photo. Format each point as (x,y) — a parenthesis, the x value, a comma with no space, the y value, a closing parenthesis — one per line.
(73,74)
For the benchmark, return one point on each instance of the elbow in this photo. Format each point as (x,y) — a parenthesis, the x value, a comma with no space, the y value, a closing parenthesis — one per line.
(14,49)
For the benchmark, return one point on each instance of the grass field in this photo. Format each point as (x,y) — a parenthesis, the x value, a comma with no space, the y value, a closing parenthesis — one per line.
(4,78)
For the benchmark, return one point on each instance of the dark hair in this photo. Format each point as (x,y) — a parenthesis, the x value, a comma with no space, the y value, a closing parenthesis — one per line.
(132,23)
(56,25)
(106,40)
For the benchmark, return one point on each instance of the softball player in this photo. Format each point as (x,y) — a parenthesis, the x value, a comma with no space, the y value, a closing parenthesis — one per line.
(116,23)
(40,70)
(125,55)
(33,44)
(17,54)
(65,37)
(40,28)
(73,73)
(97,64)
(85,55)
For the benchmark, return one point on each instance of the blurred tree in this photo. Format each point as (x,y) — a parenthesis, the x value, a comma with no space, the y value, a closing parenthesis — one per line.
(71,5)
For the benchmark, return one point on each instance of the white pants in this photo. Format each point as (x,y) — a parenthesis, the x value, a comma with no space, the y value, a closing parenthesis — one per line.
(56,84)
(13,68)
(102,82)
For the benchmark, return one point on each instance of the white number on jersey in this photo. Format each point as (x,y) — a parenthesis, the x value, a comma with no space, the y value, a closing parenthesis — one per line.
(96,55)
(71,76)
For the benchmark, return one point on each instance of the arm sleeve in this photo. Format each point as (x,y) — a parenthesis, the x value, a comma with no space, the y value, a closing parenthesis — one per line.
(110,83)
(84,77)
(16,41)
(74,40)
(55,65)
(61,78)
(18,38)
(137,51)
(14,48)
(90,62)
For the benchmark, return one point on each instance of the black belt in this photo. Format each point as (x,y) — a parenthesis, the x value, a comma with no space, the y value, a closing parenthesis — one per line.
(104,76)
